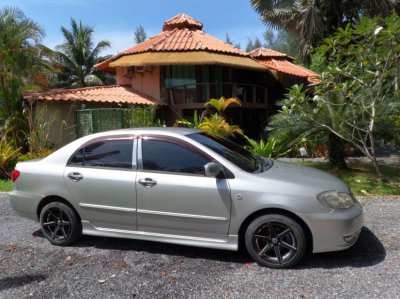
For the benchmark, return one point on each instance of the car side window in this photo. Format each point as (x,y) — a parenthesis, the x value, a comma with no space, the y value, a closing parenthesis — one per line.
(112,153)
(168,156)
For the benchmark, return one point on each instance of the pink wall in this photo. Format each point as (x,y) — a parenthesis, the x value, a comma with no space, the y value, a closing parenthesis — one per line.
(147,82)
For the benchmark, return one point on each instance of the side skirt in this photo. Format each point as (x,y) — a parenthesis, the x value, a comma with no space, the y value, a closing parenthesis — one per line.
(229,243)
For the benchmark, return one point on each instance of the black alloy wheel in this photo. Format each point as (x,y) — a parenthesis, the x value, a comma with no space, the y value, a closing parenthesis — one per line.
(275,241)
(60,224)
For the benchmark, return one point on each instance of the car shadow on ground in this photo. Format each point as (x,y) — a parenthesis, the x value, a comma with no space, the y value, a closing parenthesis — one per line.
(20,280)
(368,251)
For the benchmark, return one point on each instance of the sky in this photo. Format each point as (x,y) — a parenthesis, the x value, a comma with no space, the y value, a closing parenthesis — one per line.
(116,20)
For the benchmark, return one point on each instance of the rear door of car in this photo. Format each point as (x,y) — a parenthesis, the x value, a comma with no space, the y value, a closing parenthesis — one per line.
(174,195)
(101,179)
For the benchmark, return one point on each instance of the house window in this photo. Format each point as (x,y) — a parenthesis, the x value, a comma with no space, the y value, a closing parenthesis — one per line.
(180,76)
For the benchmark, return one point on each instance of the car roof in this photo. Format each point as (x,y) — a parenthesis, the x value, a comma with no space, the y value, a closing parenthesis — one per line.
(152,130)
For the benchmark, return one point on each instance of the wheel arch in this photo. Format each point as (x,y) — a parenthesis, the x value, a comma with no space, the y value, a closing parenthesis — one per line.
(265,211)
(54,198)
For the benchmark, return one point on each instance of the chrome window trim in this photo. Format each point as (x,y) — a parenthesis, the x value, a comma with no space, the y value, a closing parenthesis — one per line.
(134,154)
(108,208)
(181,215)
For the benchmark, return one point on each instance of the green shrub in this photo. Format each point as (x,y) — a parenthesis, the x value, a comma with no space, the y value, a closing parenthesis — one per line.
(34,155)
(8,157)
(271,148)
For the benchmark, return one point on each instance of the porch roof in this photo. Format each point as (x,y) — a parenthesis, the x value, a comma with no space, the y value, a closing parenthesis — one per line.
(97,94)
(281,62)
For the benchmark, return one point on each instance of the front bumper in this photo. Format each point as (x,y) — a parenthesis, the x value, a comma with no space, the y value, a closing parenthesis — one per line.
(336,230)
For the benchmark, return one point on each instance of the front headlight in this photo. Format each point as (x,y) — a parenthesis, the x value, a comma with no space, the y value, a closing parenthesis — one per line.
(336,200)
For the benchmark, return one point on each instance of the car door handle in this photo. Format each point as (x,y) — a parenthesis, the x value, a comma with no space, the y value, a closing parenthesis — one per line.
(147,182)
(75,176)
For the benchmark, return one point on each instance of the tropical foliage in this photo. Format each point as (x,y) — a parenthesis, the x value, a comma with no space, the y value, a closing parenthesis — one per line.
(312,20)
(218,126)
(78,55)
(213,120)
(140,34)
(272,148)
(221,104)
(24,65)
(192,123)
(8,157)
(358,89)
(282,41)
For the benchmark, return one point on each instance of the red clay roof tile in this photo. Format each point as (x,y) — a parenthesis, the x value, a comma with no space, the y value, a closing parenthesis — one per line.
(287,67)
(180,33)
(266,53)
(98,94)
(182,20)
(183,40)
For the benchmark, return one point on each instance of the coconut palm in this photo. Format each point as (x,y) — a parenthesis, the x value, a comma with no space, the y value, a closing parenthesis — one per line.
(312,20)
(78,55)
(24,63)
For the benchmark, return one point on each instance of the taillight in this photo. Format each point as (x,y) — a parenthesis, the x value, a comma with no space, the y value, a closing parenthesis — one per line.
(15,175)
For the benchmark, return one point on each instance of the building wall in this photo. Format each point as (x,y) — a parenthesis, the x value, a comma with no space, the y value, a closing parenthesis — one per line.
(59,119)
(147,81)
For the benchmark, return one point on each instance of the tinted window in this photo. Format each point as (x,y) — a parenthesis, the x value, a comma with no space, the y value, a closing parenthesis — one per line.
(105,153)
(161,155)
(229,150)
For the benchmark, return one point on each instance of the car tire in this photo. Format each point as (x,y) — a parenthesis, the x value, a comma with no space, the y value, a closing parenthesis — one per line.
(60,224)
(275,241)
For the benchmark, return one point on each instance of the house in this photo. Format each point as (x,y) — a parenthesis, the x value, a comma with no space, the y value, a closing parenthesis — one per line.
(178,70)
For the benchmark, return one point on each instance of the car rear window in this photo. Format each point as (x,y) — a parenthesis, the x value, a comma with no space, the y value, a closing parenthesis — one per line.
(105,153)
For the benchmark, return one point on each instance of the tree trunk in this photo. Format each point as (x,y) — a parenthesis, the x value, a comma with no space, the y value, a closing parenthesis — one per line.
(336,152)
(376,167)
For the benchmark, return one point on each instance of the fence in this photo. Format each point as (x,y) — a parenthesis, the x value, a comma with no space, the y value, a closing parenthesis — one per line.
(90,121)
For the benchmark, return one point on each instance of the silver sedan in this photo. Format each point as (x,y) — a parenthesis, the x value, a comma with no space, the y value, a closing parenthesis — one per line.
(185,187)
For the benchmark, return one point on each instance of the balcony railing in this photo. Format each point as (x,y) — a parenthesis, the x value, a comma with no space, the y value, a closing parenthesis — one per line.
(191,94)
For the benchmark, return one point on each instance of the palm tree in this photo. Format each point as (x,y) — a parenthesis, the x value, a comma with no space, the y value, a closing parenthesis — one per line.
(221,104)
(78,55)
(312,20)
(23,61)
(217,125)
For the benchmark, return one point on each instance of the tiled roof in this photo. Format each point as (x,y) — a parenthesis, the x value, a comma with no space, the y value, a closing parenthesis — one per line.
(267,53)
(180,33)
(183,40)
(182,20)
(281,62)
(98,94)
(287,67)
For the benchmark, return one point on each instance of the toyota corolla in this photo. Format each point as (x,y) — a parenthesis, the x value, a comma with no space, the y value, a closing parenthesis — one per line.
(183,186)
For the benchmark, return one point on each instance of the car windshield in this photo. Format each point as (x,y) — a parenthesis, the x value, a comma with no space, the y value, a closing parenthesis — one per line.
(230,151)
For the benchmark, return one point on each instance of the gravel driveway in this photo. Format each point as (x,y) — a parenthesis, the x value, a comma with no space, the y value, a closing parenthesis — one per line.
(114,268)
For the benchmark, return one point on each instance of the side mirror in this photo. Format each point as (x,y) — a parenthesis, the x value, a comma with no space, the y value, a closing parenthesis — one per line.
(213,169)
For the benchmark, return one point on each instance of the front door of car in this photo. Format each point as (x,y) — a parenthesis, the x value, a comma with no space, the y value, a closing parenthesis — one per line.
(100,177)
(174,196)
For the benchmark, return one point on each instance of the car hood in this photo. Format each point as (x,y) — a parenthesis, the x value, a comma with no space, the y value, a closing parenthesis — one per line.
(303,177)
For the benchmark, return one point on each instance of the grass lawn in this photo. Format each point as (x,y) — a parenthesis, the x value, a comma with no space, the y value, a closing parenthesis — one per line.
(5,185)
(362,180)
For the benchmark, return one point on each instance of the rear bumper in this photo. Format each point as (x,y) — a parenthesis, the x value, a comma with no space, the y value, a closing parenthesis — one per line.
(24,204)
(336,230)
